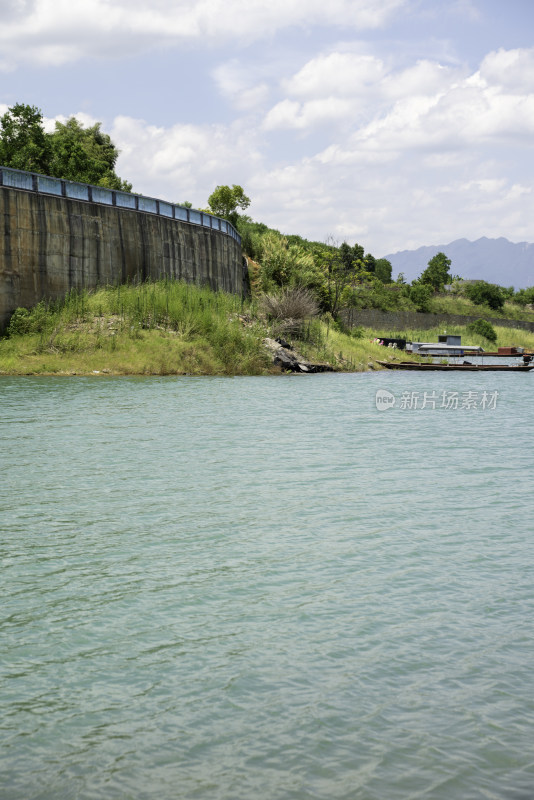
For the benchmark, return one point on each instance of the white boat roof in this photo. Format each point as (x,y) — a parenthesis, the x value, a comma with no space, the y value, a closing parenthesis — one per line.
(449,347)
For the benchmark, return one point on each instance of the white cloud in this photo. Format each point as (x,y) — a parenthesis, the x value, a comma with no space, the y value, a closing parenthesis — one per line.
(439,111)
(336,73)
(509,69)
(292,114)
(60,31)
(184,162)
(352,85)
(242,84)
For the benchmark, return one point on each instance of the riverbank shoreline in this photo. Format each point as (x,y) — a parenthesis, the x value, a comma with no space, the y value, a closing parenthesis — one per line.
(173,328)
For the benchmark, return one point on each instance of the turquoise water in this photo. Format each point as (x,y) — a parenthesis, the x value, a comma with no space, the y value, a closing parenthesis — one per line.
(266,588)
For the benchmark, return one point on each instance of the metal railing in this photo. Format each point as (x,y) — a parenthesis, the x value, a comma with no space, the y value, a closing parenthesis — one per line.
(42,184)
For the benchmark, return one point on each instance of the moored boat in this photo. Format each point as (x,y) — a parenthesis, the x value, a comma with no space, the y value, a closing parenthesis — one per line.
(463,367)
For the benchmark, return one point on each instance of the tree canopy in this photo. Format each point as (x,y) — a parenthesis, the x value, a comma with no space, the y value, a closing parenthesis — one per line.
(437,272)
(483,293)
(225,200)
(71,152)
(383,270)
(23,141)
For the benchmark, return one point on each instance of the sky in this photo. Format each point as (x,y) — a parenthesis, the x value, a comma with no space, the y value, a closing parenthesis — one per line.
(391,123)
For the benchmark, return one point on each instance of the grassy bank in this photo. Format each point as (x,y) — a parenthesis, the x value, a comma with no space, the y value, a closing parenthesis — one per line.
(161,328)
(156,328)
(172,328)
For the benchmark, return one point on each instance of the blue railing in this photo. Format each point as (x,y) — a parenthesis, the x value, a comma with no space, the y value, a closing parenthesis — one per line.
(33,182)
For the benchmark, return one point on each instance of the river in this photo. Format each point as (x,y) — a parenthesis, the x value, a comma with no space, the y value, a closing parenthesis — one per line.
(277,588)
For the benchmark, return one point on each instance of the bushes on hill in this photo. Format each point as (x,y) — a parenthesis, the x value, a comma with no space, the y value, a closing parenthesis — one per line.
(482,327)
(482,293)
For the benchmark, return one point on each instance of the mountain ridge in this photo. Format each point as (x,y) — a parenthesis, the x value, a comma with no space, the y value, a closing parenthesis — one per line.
(494,260)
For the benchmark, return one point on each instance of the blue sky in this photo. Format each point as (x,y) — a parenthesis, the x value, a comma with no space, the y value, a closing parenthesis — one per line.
(392,123)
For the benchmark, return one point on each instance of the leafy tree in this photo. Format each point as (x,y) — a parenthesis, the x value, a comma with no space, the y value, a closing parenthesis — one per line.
(383,270)
(85,154)
(71,152)
(482,293)
(352,257)
(225,200)
(23,141)
(340,282)
(437,272)
(346,255)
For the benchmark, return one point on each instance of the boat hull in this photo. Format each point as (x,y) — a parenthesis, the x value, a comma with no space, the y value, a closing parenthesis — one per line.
(412,365)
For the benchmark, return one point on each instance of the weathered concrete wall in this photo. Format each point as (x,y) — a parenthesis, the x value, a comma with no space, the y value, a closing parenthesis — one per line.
(411,320)
(49,245)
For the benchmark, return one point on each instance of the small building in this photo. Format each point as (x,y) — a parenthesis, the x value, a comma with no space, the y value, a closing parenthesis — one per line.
(447,345)
(449,338)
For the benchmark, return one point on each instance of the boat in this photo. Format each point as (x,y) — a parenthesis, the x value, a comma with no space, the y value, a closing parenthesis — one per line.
(463,367)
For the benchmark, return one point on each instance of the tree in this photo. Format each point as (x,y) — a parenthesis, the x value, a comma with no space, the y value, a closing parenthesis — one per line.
(383,270)
(85,154)
(337,277)
(71,152)
(482,293)
(352,257)
(224,201)
(23,141)
(346,254)
(437,273)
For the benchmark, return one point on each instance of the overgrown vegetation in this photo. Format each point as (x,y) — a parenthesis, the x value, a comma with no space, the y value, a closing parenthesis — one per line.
(344,276)
(161,328)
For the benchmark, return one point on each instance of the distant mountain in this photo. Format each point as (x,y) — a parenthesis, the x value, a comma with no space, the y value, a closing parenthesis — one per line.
(493,260)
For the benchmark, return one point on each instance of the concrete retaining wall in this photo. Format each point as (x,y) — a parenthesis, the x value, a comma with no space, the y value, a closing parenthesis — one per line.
(49,245)
(412,320)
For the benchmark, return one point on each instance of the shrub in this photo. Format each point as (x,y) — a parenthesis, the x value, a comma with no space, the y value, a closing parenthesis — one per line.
(289,308)
(19,323)
(420,295)
(482,327)
(358,332)
(24,320)
(482,293)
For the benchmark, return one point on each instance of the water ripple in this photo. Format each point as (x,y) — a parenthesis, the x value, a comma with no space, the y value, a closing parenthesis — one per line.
(264,588)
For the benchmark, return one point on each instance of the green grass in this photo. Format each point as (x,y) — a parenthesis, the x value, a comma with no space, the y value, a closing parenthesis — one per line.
(457,304)
(161,328)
